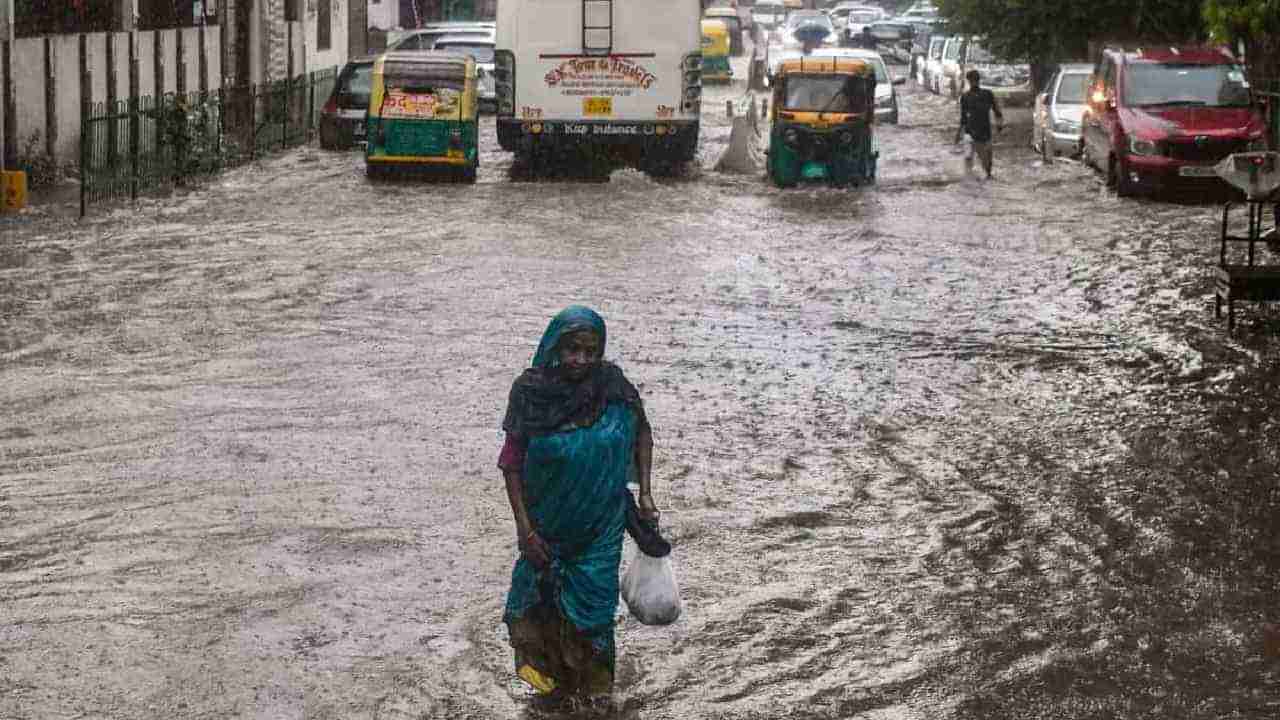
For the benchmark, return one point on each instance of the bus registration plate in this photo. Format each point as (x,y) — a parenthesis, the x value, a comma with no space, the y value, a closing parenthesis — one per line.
(597,106)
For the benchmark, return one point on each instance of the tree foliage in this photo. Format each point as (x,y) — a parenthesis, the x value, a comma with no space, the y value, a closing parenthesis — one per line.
(1051,31)
(1257,24)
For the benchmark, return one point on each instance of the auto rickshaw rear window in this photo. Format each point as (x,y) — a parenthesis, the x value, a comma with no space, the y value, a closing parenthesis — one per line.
(422,76)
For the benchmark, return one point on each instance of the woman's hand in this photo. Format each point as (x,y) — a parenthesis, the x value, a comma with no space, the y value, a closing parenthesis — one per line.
(533,547)
(648,510)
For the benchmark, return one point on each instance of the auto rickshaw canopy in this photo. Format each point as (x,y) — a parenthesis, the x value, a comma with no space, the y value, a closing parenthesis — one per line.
(808,87)
(424,85)
(426,65)
(715,38)
(825,65)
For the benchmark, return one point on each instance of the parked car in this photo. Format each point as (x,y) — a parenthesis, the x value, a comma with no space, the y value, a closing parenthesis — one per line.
(481,48)
(853,22)
(1058,111)
(886,105)
(951,81)
(1009,81)
(930,69)
(342,122)
(894,39)
(1162,117)
(425,38)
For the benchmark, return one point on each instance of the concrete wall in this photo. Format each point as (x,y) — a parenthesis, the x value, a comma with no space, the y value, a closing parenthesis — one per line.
(66,58)
(121,65)
(30,78)
(28,89)
(384,14)
(214,59)
(337,53)
(144,46)
(168,51)
(96,45)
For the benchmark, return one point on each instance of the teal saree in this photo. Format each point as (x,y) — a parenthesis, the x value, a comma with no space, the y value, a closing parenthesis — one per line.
(575,470)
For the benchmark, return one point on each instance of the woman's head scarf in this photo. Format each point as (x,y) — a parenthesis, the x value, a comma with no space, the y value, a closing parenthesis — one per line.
(544,401)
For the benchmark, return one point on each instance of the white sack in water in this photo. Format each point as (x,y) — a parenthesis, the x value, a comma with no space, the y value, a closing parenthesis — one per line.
(743,154)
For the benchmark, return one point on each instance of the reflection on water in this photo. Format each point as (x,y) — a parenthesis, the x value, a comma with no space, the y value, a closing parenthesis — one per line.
(941,448)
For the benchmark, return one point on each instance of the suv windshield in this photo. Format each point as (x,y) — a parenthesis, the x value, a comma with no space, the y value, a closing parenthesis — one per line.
(1072,88)
(796,19)
(824,93)
(482,53)
(1166,84)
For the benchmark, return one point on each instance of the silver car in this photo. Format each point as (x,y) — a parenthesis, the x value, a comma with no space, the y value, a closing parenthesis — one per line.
(1058,112)
(482,49)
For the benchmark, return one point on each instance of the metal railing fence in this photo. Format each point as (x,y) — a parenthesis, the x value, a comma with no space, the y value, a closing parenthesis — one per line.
(148,144)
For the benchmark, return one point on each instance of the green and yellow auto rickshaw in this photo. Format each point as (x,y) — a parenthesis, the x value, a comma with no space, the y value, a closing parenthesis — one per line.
(715,52)
(823,122)
(423,114)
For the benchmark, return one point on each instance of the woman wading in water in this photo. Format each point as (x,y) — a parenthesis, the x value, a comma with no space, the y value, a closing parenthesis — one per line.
(576,430)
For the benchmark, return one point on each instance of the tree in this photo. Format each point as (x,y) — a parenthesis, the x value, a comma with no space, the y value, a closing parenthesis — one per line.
(1047,32)
(1257,24)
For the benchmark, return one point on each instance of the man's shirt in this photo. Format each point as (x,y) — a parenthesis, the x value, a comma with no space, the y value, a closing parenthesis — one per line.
(976,107)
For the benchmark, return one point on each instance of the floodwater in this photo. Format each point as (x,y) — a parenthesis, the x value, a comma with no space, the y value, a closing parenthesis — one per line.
(937,449)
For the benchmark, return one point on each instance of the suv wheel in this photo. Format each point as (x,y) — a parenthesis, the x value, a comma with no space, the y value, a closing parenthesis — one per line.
(1118,177)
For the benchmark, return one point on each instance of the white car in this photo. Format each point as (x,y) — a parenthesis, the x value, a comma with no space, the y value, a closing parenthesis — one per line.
(480,47)
(840,13)
(425,38)
(856,22)
(886,90)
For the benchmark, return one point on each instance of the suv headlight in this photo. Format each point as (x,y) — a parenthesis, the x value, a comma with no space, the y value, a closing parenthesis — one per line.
(1138,146)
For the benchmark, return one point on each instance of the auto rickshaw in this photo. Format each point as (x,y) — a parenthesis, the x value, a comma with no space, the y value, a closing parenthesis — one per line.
(733,23)
(715,52)
(823,122)
(423,114)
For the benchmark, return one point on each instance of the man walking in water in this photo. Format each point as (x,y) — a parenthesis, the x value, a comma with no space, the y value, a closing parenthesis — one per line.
(976,107)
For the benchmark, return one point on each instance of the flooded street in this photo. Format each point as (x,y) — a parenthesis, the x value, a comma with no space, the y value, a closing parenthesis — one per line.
(937,449)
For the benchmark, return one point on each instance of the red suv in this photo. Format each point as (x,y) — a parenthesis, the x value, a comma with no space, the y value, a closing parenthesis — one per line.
(1159,118)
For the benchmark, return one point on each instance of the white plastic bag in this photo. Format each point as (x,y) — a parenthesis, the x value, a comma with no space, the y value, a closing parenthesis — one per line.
(649,589)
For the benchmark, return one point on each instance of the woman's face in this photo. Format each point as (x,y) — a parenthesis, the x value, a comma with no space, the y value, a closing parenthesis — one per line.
(579,352)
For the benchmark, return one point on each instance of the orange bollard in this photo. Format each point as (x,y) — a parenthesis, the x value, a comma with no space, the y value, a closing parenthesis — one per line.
(13,190)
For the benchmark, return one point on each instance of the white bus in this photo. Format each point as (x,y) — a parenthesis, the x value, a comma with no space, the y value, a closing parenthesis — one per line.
(616,79)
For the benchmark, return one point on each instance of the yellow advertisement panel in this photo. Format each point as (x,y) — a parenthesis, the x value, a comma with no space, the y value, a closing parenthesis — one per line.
(442,103)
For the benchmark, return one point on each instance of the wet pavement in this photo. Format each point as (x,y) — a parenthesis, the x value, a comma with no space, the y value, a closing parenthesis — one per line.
(940,448)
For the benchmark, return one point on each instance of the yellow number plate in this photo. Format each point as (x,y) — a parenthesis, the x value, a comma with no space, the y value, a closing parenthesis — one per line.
(597,106)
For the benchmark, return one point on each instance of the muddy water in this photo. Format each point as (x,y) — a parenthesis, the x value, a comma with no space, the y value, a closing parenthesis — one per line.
(937,449)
